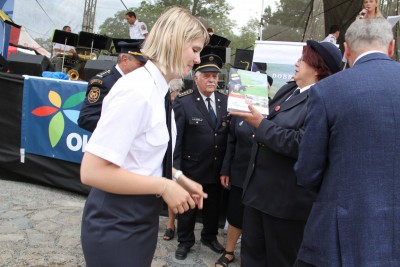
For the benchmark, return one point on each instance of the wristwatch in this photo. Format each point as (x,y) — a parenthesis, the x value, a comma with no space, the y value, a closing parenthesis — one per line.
(177,175)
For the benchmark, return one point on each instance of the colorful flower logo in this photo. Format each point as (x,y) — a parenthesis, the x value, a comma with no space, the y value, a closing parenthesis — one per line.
(59,109)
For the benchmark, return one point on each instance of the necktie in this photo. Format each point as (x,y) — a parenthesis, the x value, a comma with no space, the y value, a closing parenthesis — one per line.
(295,92)
(167,161)
(211,112)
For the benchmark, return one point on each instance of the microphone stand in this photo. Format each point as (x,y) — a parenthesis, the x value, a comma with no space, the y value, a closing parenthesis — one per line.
(65,46)
(261,22)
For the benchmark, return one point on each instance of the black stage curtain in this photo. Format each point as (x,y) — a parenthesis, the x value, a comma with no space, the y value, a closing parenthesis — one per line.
(38,169)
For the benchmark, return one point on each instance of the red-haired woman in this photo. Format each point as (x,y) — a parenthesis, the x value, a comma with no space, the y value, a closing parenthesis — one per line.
(275,207)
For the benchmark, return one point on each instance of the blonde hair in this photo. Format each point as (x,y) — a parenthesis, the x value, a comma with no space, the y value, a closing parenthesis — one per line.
(378,13)
(164,45)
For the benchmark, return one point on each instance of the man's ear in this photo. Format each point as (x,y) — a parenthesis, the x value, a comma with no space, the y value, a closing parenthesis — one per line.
(347,53)
(391,48)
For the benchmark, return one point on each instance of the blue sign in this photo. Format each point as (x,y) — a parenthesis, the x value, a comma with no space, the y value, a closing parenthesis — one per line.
(50,111)
(8,7)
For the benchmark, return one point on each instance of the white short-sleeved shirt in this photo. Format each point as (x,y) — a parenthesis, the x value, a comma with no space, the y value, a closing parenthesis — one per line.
(132,131)
(62,47)
(138,30)
(330,38)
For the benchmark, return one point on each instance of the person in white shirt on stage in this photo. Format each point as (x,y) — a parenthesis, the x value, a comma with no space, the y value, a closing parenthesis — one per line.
(137,29)
(61,48)
(333,35)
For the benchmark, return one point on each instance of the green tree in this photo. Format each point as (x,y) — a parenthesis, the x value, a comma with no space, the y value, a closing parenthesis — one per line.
(213,13)
(45,43)
(288,22)
(246,38)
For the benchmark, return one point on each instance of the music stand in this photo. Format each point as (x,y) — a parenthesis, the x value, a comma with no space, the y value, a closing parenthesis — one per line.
(216,40)
(92,40)
(117,40)
(66,38)
(217,50)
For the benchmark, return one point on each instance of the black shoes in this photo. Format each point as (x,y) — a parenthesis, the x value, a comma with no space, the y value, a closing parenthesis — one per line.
(214,245)
(181,252)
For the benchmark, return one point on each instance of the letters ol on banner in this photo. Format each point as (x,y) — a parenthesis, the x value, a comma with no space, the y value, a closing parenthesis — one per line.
(280,58)
(50,111)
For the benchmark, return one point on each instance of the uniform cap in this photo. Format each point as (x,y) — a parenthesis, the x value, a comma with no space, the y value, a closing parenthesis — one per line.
(132,49)
(210,62)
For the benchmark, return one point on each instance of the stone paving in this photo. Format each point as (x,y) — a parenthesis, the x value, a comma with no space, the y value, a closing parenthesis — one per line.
(40,226)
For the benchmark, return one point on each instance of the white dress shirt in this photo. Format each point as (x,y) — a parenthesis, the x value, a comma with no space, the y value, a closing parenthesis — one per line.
(212,101)
(138,30)
(62,47)
(132,131)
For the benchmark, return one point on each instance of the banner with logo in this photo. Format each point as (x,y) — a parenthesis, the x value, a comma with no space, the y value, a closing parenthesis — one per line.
(278,60)
(50,111)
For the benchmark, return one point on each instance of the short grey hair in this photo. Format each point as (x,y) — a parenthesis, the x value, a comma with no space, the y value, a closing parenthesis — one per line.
(175,85)
(198,73)
(365,33)
(119,58)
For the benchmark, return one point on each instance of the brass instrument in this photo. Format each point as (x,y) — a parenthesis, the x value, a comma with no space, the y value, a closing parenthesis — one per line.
(83,57)
(73,74)
(92,56)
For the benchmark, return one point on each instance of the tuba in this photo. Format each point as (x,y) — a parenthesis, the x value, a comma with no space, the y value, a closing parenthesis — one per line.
(73,74)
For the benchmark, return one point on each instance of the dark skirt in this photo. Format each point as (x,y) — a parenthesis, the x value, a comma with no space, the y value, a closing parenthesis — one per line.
(120,230)
(235,207)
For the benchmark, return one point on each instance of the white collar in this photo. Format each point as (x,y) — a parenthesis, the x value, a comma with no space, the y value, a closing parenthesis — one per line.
(119,70)
(305,88)
(212,97)
(159,79)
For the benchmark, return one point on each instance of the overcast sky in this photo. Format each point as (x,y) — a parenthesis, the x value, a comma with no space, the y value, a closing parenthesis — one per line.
(41,17)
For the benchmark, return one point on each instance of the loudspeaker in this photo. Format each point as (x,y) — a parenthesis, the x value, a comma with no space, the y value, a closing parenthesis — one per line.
(93,67)
(243,59)
(4,66)
(27,64)
(106,57)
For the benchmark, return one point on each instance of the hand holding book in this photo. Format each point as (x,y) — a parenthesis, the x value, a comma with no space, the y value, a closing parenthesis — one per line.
(248,88)
(254,117)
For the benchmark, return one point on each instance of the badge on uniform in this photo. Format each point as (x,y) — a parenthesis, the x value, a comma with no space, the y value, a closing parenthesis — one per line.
(93,95)
(92,81)
(143,27)
(196,120)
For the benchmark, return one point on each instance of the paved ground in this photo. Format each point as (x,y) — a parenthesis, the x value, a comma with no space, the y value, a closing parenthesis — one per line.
(40,226)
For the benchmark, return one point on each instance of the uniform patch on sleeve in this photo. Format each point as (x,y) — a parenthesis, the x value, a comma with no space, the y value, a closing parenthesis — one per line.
(92,81)
(103,73)
(143,27)
(93,95)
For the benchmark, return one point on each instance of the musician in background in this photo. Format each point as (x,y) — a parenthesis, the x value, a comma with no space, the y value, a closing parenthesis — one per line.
(137,29)
(61,48)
